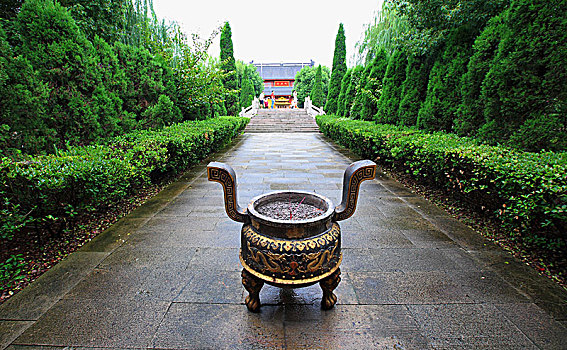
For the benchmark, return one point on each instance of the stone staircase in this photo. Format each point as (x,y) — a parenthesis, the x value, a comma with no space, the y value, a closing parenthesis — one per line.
(281,120)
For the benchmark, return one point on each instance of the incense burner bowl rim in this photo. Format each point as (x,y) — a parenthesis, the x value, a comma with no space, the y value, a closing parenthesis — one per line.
(312,198)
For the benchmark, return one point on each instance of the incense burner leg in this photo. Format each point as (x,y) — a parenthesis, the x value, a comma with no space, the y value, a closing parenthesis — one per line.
(328,285)
(253,285)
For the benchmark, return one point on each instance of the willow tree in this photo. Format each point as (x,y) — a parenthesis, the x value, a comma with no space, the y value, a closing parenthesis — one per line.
(337,72)
(384,32)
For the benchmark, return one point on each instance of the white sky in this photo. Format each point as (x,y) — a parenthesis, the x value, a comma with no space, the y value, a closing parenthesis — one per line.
(270,31)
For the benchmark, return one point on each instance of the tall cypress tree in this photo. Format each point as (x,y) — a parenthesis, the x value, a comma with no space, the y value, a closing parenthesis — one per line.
(358,102)
(338,71)
(414,88)
(392,89)
(65,60)
(439,110)
(470,115)
(23,98)
(373,88)
(351,90)
(247,89)
(228,65)
(525,91)
(317,92)
(342,96)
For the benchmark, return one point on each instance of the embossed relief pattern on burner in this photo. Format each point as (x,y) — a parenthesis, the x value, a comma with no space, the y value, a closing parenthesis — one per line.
(291,259)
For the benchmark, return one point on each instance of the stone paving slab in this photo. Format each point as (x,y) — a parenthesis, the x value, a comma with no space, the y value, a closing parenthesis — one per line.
(168,275)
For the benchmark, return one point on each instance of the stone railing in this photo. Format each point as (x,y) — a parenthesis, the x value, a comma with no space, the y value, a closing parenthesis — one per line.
(251,110)
(311,109)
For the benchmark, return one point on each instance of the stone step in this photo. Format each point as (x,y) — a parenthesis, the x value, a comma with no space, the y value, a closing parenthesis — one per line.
(286,121)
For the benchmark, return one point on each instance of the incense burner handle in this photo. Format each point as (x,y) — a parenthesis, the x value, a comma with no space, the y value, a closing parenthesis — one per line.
(354,175)
(225,175)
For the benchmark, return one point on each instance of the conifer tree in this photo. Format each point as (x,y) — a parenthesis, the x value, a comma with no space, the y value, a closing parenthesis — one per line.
(147,77)
(525,91)
(342,96)
(470,115)
(351,90)
(358,102)
(414,88)
(439,110)
(337,72)
(317,92)
(373,87)
(23,97)
(228,65)
(392,89)
(246,90)
(64,59)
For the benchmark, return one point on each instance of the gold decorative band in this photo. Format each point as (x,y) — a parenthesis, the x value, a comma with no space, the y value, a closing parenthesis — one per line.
(292,282)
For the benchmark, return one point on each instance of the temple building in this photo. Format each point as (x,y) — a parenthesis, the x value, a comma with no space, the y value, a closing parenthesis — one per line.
(280,78)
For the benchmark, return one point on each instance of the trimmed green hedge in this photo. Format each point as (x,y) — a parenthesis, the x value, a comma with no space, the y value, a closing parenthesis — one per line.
(47,192)
(526,192)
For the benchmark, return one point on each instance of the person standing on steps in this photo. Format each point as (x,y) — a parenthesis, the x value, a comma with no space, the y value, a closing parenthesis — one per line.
(261,98)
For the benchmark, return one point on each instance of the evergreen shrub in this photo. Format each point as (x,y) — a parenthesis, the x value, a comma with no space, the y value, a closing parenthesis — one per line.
(526,192)
(371,91)
(337,72)
(342,96)
(525,90)
(392,89)
(352,89)
(49,192)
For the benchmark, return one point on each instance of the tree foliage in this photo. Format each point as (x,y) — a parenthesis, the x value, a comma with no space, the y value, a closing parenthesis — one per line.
(304,82)
(23,98)
(386,31)
(352,89)
(228,65)
(337,72)
(430,22)
(58,88)
(525,90)
(317,92)
(64,59)
(103,18)
(342,96)
(444,89)
(10,8)
(470,114)
(246,89)
(255,78)
(372,89)
(392,89)
(414,88)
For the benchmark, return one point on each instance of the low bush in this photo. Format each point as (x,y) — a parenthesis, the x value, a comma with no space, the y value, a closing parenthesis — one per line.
(526,192)
(47,193)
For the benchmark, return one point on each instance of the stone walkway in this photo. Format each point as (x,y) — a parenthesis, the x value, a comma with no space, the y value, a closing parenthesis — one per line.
(168,276)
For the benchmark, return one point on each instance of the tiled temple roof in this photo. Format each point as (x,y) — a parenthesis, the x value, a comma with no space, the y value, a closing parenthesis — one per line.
(274,71)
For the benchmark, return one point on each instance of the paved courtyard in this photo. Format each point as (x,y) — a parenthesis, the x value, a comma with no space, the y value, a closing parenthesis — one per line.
(167,276)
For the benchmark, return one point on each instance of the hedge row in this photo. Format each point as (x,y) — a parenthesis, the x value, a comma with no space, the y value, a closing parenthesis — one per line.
(526,192)
(47,192)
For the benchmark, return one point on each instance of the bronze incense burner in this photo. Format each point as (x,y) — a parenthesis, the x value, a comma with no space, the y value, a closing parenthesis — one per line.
(291,253)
